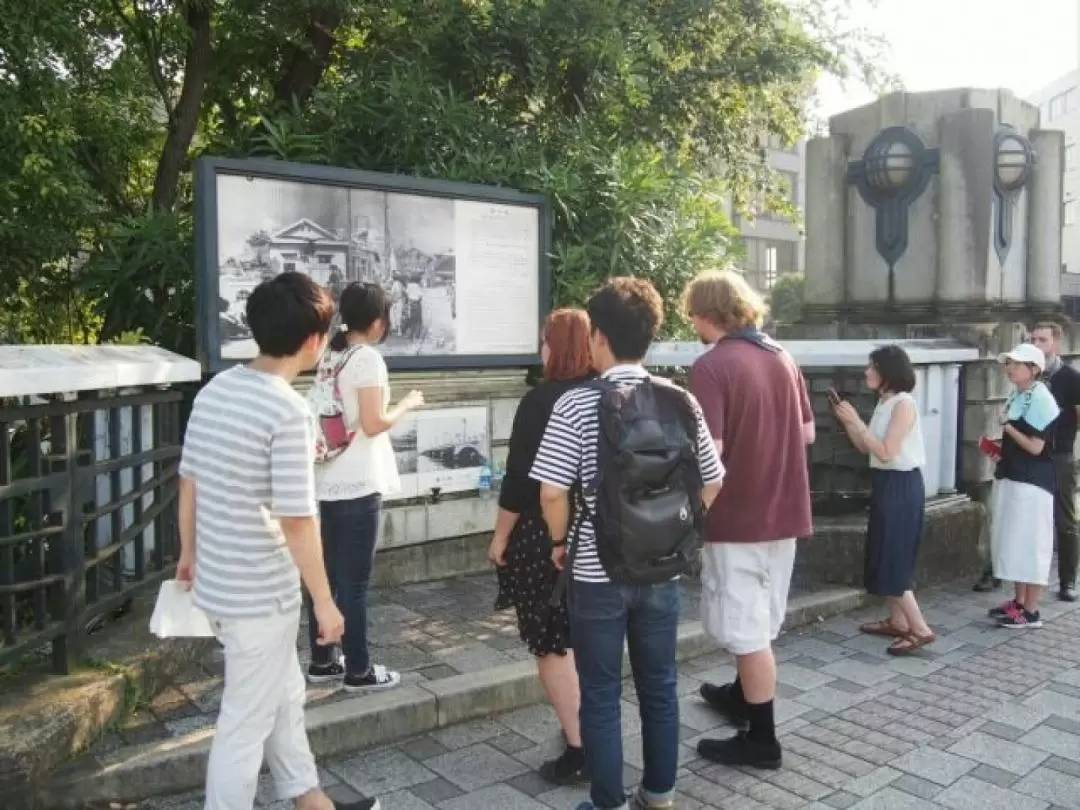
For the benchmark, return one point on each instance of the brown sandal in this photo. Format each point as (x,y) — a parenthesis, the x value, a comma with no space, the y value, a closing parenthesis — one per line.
(882,628)
(907,644)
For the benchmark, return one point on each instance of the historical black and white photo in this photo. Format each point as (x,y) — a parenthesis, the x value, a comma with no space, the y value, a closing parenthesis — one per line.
(465,266)
(452,446)
(337,236)
(403,440)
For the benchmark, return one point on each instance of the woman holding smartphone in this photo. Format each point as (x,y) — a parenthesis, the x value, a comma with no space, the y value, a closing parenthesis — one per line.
(894,442)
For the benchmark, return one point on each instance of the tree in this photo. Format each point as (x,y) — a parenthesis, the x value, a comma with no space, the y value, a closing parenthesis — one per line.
(786,298)
(637,117)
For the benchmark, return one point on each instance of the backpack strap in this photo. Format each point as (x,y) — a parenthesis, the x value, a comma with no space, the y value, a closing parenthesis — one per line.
(339,367)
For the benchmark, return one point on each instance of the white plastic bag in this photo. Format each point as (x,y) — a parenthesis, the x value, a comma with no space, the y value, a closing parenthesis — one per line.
(175,614)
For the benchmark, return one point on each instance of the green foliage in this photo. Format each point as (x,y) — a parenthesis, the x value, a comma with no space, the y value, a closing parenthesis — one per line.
(637,117)
(786,299)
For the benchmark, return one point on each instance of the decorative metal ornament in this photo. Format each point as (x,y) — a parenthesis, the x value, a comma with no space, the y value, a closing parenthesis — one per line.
(893,173)
(1014,159)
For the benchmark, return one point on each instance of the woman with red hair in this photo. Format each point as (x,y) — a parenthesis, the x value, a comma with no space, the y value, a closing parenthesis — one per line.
(521,545)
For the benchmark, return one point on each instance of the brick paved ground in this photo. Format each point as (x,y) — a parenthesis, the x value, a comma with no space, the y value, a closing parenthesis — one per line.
(425,631)
(988,719)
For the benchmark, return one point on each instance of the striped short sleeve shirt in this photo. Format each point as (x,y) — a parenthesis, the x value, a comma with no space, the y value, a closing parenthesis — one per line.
(568,455)
(249,448)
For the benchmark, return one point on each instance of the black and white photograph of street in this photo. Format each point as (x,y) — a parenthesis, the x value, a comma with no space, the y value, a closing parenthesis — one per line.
(338,236)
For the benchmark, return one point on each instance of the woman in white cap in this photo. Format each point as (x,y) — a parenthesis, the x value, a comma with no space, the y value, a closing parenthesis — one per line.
(1022,525)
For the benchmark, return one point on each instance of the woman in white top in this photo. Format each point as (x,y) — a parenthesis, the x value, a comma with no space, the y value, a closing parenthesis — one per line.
(893,440)
(350,487)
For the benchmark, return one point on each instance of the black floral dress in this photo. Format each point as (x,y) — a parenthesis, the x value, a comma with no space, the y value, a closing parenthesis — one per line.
(527,579)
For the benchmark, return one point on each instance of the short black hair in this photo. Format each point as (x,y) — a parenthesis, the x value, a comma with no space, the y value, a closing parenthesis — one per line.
(628,311)
(360,306)
(286,310)
(894,367)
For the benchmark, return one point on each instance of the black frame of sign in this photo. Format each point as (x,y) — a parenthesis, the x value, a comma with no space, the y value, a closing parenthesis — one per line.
(208,273)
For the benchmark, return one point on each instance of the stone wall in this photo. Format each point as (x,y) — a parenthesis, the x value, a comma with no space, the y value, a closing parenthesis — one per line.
(955,531)
(425,539)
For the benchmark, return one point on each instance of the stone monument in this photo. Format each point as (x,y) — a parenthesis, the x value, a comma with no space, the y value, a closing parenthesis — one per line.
(934,208)
(936,215)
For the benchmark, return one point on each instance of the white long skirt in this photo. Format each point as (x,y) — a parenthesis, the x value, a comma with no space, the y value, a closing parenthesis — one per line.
(1021,532)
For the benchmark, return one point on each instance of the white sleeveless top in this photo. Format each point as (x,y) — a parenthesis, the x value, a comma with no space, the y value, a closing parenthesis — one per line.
(912,452)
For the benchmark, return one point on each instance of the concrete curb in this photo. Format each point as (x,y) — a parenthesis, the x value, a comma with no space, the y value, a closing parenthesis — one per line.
(179,764)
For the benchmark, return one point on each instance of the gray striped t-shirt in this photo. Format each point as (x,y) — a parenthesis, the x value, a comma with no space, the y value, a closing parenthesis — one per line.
(249,448)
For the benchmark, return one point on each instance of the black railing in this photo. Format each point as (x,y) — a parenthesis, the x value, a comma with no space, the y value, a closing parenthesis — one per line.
(87,515)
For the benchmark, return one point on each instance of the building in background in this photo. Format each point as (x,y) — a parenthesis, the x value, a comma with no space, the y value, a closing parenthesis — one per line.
(773,244)
(1059,108)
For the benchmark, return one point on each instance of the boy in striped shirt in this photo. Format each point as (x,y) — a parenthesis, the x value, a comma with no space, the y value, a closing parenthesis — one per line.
(249,535)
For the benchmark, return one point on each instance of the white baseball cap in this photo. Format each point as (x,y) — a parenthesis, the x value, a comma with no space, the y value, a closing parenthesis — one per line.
(1026,353)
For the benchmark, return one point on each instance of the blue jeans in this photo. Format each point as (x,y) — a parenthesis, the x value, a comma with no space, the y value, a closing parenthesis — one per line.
(350,530)
(602,617)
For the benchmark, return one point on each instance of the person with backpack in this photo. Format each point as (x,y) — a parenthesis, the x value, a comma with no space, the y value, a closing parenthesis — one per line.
(627,470)
(355,467)
(758,411)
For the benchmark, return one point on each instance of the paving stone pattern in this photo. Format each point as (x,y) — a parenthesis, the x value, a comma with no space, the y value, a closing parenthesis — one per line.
(987,719)
(426,631)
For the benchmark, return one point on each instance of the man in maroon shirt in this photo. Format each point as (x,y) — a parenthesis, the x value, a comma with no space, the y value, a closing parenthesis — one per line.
(755,403)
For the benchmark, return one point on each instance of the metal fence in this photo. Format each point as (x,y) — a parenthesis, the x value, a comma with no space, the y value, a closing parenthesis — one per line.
(87,514)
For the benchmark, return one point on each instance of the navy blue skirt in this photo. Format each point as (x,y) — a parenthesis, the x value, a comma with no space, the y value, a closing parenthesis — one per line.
(894,531)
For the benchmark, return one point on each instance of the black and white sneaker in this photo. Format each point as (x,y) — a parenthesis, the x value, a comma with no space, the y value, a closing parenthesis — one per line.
(325,673)
(377,678)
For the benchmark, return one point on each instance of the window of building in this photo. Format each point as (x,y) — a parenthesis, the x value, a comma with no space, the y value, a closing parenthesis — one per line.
(1068,212)
(1070,156)
(792,181)
(768,259)
(1063,103)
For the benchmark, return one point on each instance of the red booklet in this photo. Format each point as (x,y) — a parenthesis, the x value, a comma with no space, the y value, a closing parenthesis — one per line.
(990,447)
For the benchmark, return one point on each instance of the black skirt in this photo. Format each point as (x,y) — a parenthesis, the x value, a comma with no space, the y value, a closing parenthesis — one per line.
(526,583)
(894,531)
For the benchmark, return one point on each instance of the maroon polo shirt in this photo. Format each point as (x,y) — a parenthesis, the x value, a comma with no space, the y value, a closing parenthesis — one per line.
(755,402)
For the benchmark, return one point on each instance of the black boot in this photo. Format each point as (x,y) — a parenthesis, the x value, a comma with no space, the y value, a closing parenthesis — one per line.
(568,769)
(986,584)
(756,748)
(727,699)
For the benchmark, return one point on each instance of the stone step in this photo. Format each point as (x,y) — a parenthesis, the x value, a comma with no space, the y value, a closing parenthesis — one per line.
(179,764)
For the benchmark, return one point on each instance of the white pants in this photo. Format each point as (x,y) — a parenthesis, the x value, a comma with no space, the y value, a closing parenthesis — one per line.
(745,593)
(262,713)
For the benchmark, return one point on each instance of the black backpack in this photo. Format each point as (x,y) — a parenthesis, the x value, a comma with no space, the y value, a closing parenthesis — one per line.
(649,515)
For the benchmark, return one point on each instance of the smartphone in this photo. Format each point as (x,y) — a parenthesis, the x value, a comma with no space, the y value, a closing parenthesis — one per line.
(834,398)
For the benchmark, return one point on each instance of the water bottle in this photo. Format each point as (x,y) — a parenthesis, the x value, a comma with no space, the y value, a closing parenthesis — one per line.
(483,484)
